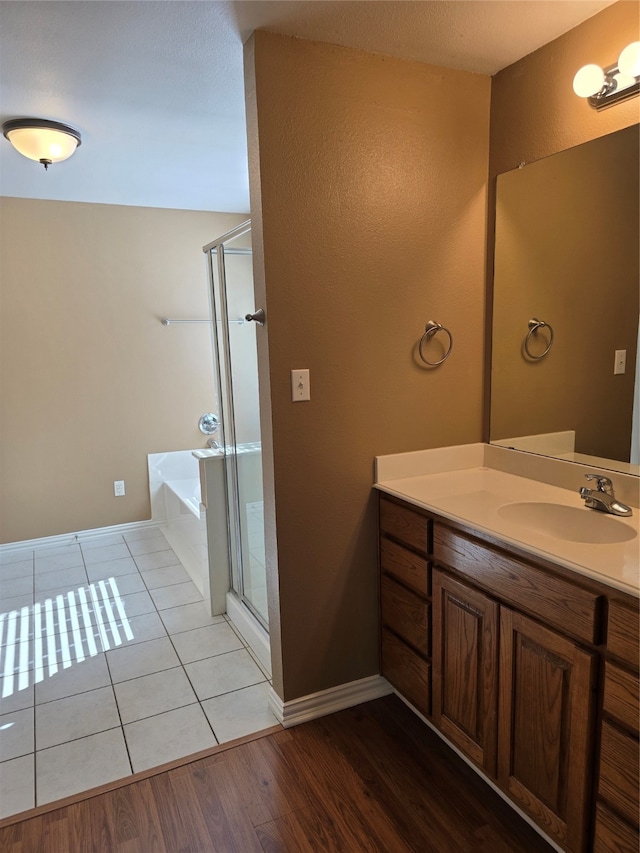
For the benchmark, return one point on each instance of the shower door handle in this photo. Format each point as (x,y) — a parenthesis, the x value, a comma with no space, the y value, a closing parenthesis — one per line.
(258,317)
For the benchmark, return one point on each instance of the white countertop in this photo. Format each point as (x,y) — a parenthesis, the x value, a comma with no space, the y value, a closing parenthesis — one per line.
(473,496)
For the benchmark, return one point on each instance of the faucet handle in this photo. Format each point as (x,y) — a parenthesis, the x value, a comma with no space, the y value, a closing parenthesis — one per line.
(603,484)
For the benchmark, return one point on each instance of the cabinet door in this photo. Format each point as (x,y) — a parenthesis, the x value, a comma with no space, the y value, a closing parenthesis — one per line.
(465,668)
(545,726)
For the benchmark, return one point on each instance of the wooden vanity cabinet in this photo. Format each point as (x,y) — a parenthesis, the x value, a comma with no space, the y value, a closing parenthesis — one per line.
(534,676)
(465,668)
(515,695)
(546,726)
(616,827)
(405,602)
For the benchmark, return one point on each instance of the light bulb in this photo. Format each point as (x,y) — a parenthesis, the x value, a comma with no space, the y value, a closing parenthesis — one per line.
(623,82)
(629,60)
(588,81)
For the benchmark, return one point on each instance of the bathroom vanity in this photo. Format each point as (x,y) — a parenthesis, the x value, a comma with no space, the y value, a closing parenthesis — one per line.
(516,640)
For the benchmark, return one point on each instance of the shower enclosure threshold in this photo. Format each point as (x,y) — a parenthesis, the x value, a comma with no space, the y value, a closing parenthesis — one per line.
(250,629)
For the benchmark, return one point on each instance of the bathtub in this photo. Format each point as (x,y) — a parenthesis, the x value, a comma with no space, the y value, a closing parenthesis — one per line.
(186,488)
(188,497)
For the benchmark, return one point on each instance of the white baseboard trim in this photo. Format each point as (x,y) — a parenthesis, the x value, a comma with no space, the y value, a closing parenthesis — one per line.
(329,701)
(78,536)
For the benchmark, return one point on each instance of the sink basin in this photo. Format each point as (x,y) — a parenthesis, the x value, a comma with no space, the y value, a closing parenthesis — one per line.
(572,524)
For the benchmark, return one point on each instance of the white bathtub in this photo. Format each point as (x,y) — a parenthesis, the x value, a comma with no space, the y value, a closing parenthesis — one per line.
(179,502)
(187,491)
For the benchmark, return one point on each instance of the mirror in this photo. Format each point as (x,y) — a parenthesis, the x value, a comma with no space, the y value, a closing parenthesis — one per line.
(567,254)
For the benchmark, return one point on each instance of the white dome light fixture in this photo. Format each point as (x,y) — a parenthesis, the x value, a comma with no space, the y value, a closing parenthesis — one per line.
(42,140)
(604,87)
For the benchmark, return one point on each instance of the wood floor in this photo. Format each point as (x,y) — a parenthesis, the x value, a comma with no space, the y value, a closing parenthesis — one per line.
(371,778)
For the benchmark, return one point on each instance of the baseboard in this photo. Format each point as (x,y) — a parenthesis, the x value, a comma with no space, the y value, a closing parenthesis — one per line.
(78,536)
(334,699)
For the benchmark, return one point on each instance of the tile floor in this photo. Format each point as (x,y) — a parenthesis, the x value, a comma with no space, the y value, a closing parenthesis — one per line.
(110,664)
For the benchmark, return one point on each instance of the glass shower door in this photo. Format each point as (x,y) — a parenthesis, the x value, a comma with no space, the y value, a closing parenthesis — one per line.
(231,268)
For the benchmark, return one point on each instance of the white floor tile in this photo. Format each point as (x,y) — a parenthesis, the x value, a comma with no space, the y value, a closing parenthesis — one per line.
(20,555)
(165,577)
(146,627)
(70,578)
(16,700)
(168,736)
(187,617)
(16,734)
(17,785)
(140,659)
(157,560)
(166,597)
(65,558)
(81,765)
(223,673)
(101,541)
(90,674)
(17,569)
(128,584)
(75,717)
(105,553)
(153,694)
(240,713)
(148,545)
(206,642)
(141,533)
(112,569)
(17,603)
(137,603)
(11,587)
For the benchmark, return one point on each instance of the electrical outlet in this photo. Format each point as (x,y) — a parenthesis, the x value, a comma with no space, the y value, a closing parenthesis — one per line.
(300,389)
(118,488)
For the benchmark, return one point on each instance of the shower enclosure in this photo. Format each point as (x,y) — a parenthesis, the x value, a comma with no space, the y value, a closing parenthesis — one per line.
(236,368)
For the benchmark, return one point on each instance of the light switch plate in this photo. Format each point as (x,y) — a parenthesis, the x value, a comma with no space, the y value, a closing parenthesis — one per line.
(620,363)
(300,389)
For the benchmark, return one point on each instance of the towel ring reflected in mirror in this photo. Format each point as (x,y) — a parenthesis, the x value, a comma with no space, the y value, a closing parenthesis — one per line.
(534,325)
(431,330)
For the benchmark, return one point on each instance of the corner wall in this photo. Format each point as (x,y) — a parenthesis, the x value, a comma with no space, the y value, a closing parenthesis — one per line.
(90,381)
(368,182)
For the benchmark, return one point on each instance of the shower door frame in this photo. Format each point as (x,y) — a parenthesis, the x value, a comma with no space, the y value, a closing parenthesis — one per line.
(222,347)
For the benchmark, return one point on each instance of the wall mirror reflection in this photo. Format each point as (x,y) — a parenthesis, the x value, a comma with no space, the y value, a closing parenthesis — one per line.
(567,253)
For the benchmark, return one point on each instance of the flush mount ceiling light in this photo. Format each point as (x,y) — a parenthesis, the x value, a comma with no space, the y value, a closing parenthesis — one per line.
(42,140)
(603,87)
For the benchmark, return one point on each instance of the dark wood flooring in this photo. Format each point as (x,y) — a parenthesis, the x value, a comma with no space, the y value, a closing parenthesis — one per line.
(371,778)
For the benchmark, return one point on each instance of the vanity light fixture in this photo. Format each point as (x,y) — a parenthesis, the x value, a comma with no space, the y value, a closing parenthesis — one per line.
(603,87)
(42,140)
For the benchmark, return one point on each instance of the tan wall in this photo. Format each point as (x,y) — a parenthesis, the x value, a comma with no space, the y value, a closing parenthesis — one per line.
(534,111)
(567,252)
(369,191)
(90,381)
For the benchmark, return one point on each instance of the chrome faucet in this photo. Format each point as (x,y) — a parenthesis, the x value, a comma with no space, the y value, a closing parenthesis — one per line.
(602,497)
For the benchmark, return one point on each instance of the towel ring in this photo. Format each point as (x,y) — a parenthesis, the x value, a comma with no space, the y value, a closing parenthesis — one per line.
(534,325)
(432,328)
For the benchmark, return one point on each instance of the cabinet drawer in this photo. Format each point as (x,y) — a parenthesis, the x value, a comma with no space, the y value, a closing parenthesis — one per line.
(612,834)
(404,524)
(621,699)
(407,671)
(406,614)
(557,602)
(619,758)
(622,636)
(405,565)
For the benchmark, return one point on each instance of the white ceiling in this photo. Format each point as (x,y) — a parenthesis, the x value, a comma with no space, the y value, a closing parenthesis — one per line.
(156,87)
